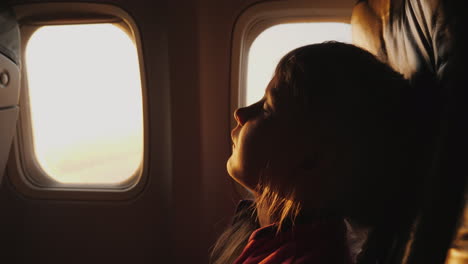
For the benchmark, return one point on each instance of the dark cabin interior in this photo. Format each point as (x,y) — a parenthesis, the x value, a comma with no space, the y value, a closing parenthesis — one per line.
(185,198)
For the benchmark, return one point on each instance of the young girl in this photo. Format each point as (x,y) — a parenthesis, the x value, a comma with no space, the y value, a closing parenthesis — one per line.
(332,139)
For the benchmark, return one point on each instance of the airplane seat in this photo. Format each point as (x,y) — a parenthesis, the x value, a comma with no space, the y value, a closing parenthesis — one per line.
(425,40)
(9,81)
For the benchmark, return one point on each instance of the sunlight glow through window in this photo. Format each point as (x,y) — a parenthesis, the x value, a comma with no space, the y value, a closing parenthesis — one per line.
(273,43)
(85,103)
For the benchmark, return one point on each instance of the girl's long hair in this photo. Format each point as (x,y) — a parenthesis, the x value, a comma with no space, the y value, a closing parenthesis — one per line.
(271,203)
(233,240)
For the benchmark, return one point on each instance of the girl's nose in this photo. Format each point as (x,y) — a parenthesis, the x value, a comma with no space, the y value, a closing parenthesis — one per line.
(241,115)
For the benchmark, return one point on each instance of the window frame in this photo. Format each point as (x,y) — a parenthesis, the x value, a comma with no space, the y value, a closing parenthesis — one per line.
(25,173)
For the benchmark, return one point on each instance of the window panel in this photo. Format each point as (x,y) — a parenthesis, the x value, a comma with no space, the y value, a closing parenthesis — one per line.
(85,104)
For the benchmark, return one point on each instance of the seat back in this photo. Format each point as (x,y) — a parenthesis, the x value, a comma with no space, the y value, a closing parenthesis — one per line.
(9,82)
(425,40)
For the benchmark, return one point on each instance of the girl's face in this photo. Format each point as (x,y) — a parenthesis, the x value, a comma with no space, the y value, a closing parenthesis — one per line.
(267,135)
(276,139)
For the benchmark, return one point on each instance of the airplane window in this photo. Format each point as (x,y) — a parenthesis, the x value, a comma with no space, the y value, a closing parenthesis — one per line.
(273,43)
(85,104)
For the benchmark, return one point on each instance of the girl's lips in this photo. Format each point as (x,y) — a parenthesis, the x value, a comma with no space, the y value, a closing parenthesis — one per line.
(233,136)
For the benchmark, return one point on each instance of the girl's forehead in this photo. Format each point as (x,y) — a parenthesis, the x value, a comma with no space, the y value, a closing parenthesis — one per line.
(272,92)
(276,85)
(278,89)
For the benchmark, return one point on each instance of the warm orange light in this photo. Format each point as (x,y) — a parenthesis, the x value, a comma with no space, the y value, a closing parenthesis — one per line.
(85,103)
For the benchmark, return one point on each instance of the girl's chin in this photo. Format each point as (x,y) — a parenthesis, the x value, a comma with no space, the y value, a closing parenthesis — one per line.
(240,175)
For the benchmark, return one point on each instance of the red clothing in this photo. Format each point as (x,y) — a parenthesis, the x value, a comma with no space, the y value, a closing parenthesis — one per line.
(318,242)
